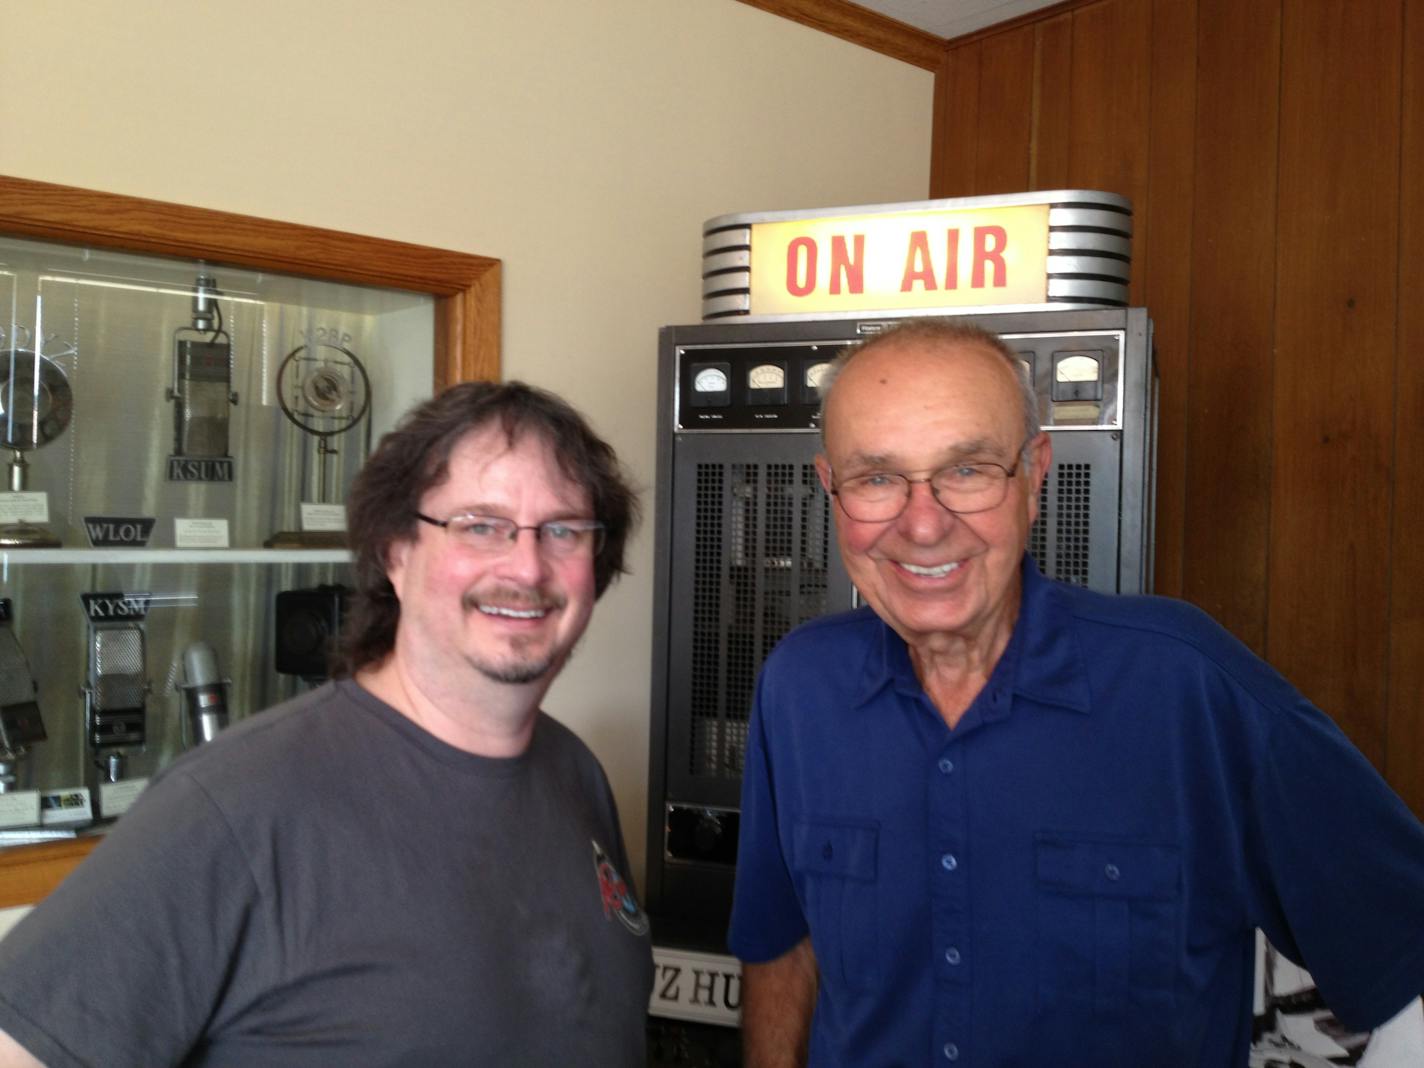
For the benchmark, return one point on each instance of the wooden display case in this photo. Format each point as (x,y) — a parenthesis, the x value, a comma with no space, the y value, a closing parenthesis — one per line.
(100,285)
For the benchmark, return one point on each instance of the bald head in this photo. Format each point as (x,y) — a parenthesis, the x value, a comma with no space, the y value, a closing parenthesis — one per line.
(931,341)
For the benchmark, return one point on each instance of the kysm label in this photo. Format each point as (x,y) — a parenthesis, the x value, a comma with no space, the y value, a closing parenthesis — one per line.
(106,607)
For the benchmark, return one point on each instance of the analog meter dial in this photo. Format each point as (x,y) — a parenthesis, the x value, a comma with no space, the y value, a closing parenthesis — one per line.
(767,376)
(710,380)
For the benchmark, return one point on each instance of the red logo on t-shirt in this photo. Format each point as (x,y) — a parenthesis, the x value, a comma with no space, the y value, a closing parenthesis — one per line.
(618,900)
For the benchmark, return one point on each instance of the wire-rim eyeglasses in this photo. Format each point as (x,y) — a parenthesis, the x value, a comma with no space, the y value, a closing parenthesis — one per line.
(961,488)
(495,535)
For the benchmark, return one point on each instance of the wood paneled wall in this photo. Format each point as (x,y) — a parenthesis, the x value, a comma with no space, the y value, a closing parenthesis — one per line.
(1274,153)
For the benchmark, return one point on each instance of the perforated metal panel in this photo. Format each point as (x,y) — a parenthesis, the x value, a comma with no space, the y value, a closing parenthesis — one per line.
(1076,538)
(705,691)
(1073,544)
(761,548)
(1038,533)
(1061,539)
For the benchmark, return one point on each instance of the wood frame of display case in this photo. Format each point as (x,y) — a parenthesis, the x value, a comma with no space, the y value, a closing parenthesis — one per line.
(466,287)
(467,330)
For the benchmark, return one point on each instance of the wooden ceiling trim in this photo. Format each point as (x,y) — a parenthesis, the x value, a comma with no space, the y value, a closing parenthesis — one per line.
(1028,18)
(869,29)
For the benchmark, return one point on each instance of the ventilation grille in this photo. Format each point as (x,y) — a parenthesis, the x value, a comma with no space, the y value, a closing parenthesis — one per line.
(761,545)
(1072,495)
(1060,540)
(707,600)
(1038,533)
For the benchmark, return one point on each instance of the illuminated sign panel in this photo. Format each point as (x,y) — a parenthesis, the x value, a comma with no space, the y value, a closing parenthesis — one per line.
(900,260)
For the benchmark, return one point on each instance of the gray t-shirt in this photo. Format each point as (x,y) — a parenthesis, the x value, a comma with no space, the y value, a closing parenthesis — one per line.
(328,884)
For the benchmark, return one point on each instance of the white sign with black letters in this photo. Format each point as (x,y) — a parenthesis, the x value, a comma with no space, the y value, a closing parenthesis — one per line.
(200,533)
(687,985)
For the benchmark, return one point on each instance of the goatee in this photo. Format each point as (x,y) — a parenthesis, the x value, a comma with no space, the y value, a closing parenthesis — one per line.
(516,674)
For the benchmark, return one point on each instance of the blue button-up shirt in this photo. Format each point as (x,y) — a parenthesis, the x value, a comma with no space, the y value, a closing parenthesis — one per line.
(1073,875)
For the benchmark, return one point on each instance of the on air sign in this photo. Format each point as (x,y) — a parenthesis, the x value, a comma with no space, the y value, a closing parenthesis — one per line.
(908,260)
(1025,251)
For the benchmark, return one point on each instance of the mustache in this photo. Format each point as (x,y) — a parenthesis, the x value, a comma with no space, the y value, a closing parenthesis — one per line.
(522,598)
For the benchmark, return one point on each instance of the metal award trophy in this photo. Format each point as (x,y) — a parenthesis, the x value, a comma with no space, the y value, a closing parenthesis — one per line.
(201,392)
(324,390)
(35,406)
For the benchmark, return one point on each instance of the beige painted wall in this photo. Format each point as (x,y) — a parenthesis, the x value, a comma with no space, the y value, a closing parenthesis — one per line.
(582,143)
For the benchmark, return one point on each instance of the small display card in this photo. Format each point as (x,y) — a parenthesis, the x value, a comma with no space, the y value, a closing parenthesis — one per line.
(27,507)
(20,809)
(200,533)
(66,808)
(323,516)
(116,798)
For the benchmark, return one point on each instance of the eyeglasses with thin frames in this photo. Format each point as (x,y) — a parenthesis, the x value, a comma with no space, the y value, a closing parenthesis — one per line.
(961,488)
(495,535)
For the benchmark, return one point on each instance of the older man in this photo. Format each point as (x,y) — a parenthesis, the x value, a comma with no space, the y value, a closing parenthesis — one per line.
(994,820)
(412,865)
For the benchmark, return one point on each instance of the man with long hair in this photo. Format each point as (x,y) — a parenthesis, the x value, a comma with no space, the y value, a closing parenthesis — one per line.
(411,864)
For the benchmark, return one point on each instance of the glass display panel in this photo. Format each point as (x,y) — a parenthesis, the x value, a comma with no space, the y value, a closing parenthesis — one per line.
(178,439)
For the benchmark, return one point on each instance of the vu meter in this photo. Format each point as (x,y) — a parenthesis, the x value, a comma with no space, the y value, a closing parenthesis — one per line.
(751,387)
(711,385)
(710,380)
(766,384)
(811,379)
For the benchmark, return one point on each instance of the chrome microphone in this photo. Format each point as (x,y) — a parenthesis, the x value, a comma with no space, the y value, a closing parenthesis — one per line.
(116,690)
(204,692)
(117,693)
(202,379)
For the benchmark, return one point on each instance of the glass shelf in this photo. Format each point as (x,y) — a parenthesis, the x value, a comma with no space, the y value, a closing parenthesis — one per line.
(21,557)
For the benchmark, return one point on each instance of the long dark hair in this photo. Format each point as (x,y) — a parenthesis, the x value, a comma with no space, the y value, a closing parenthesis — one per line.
(415,456)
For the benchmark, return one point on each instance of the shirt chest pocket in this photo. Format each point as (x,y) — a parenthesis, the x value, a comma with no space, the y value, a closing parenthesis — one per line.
(1108,925)
(836,867)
